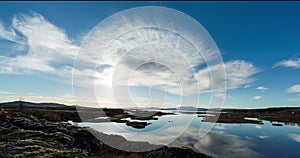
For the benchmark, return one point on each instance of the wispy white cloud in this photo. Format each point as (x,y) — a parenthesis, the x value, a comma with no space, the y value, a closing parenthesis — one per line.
(48,46)
(238,73)
(7,93)
(295,137)
(8,33)
(293,89)
(257,97)
(23,64)
(294,63)
(247,86)
(261,88)
(297,100)
(42,33)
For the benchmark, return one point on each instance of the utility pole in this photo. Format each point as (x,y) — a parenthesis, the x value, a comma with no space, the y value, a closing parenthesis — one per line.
(21,104)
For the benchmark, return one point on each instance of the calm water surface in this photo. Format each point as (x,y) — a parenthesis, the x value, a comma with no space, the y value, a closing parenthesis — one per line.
(224,140)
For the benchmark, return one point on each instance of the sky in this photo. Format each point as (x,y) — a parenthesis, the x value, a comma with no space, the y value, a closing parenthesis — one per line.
(258,41)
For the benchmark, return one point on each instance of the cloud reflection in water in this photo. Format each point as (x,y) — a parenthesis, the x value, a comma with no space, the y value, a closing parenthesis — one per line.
(217,144)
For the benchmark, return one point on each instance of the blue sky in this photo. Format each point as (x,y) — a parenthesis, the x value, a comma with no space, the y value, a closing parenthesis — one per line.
(264,35)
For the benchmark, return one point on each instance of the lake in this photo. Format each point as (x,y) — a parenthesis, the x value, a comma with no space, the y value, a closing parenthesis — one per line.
(223,140)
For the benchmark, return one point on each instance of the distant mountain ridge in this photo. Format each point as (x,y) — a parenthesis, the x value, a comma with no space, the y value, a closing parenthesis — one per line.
(58,105)
(181,108)
(30,104)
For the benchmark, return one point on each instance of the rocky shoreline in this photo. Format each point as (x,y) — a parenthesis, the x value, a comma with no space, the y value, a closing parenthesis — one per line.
(283,115)
(24,135)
